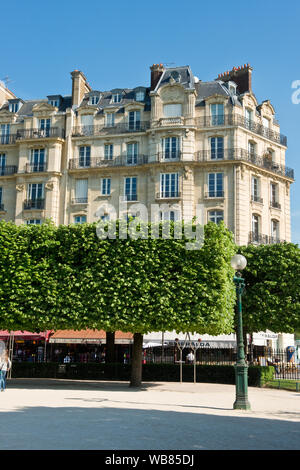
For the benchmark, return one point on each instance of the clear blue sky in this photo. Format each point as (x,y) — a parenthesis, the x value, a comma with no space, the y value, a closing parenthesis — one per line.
(114,43)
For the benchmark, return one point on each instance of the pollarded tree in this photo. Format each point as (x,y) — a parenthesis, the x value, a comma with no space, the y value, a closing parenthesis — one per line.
(272,297)
(66,277)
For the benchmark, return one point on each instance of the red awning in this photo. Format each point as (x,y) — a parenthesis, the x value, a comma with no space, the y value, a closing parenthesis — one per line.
(25,335)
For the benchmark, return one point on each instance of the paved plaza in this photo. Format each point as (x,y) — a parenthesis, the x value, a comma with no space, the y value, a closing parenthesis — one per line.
(67,414)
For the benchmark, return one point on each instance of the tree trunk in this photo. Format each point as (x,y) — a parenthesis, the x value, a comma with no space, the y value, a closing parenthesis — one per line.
(136,363)
(110,347)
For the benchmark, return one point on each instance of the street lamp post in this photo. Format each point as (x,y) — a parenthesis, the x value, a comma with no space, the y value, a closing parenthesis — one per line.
(239,262)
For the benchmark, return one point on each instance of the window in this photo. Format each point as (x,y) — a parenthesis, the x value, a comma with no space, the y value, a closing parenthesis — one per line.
(132,153)
(172,110)
(255,227)
(35,196)
(251,148)
(217,148)
(37,160)
(169,185)
(116,98)
(2,163)
(108,151)
(1,204)
(173,215)
(110,119)
(33,222)
(130,188)
(134,122)
(215,185)
(80,219)
(215,216)
(44,125)
(94,99)
(4,133)
(81,191)
(255,189)
(217,114)
(105,217)
(140,96)
(54,103)
(274,230)
(13,107)
(266,122)
(84,156)
(274,195)
(105,186)
(87,121)
(170,148)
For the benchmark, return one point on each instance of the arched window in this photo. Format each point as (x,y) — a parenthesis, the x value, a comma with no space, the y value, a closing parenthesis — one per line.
(215,216)
(274,231)
(255,228)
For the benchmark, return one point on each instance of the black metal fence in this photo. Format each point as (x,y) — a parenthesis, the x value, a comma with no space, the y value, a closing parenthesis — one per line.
(284,363)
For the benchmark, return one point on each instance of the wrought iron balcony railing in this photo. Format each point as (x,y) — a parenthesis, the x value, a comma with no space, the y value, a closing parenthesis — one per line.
(80,200)
(35,167)
(86,131)
(97,162)
(168,195)
(214,194)
(275,205)
(241,154)
(255,198)
(260,239)
(239,120)
(169,156)
(7,139)
(129,197)
(8,170)
(23,134)
(34,204)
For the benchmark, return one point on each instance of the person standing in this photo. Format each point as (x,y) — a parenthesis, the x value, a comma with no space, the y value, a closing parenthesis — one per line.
(5,365)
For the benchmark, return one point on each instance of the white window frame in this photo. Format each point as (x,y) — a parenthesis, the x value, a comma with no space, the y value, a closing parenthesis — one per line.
(169,185)
(215,216)
(105,186)
(109,119)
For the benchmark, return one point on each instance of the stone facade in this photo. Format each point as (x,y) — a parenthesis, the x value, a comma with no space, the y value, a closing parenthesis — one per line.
(182,142)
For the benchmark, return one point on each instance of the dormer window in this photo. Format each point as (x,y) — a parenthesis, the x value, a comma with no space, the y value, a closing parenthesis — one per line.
(116,98)
(140,96)
(54,100)
(14,107)
(94,99)
(54,103)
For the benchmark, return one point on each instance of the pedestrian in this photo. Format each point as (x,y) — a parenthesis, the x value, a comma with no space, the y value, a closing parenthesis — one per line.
(190,357)
(5,365)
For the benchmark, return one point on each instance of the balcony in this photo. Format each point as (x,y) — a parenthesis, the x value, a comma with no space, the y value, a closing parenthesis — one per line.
(8,170)
(7,139)
(238,154)
(259,239)
(275,205)
(168,195)
(121,160)
(169,157)
(238,120)
(171,121)
(255,198)
(31,204)
(129,197)
(214,194)
(52,132)
(80,200)
(88,131)
(35,167)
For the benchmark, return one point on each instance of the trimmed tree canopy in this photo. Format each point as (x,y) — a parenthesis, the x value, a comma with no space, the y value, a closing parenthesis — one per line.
(67,278)
(272,297)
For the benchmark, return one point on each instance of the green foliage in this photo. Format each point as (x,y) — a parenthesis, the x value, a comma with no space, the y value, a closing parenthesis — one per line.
(66,277)
(272,297)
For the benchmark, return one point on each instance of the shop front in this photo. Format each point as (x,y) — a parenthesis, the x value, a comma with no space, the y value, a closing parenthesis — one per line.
(25,346)
(87,346)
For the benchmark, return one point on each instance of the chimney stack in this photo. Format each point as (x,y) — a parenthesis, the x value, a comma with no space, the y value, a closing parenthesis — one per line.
(156,73)
(80,86)
(242,76)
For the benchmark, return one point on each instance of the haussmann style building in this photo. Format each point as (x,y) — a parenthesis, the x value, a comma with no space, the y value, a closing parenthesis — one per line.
(179,143)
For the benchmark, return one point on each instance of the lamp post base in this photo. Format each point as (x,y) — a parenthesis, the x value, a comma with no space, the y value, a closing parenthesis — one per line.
(241,380)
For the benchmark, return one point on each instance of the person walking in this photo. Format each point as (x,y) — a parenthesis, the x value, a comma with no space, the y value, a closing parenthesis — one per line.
(5,365)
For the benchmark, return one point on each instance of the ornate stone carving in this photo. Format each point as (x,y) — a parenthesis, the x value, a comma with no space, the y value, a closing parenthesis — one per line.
(20,187)
(49,185)
(188,172)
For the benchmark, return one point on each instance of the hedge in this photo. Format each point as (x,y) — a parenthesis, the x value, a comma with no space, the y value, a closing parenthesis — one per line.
(257,376)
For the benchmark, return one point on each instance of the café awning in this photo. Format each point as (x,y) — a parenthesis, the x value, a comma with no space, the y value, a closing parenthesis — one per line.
(88,337)
(23,335)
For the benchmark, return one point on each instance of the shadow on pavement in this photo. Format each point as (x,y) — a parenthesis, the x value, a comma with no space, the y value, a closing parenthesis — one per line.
(68,428)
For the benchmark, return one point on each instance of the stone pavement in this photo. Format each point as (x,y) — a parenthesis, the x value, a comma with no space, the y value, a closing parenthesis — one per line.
(67,414)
